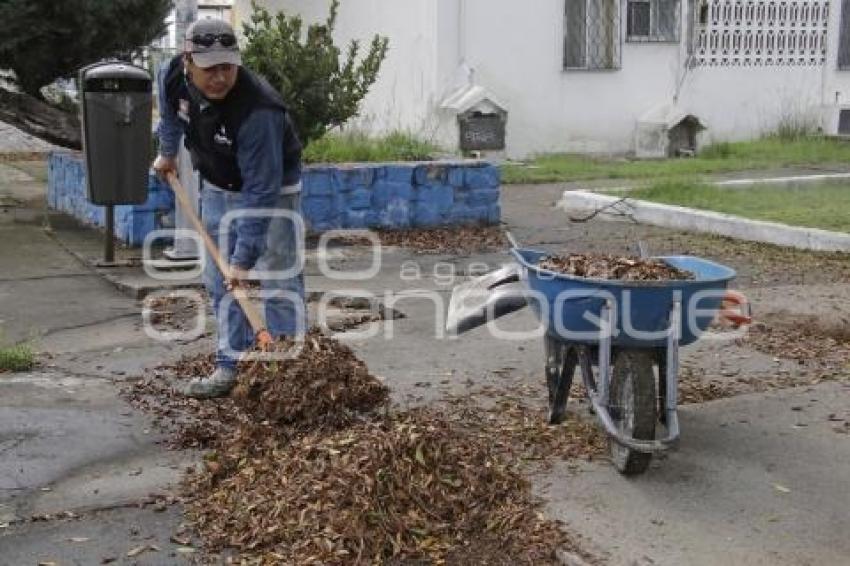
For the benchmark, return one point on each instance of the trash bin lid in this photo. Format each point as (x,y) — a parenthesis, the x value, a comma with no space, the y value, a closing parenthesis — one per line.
(116,77)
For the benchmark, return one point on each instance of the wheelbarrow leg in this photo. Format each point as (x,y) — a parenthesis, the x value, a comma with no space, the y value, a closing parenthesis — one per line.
(561,362)
(662,386)
(584,356)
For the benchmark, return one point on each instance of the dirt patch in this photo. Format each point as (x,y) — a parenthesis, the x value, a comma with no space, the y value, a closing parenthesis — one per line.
(171,312)
(460,240)
(613,267)
(756,263)
(819,350)
(818,346)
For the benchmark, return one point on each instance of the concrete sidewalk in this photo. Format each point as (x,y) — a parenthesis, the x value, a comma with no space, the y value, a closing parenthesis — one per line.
(74,453)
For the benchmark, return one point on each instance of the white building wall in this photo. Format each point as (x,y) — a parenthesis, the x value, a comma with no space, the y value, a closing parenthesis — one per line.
(517,53)
(515,50)
(742,103)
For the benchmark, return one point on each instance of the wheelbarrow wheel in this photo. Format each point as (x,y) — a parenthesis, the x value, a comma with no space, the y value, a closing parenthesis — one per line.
(633,407)
(561,360)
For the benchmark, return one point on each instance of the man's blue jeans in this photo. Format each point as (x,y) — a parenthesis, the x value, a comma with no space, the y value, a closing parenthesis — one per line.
(283,299)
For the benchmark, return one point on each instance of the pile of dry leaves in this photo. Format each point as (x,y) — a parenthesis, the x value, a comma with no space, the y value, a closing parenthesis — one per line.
(310,466)
(455,240)
(321,382)
(316,382)
(415,485)
(614,267)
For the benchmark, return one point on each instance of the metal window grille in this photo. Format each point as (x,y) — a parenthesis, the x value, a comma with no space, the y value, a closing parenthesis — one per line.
(592,34)
(844,122)
(653,20)
(754,33)
(844,37)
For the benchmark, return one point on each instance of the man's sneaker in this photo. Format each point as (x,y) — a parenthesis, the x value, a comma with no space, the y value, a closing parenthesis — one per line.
(217,384)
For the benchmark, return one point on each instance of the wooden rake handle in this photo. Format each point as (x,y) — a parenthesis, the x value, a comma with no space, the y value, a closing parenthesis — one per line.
(263,337)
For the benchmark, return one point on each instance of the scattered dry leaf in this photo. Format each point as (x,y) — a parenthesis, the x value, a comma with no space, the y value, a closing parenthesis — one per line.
(136,551)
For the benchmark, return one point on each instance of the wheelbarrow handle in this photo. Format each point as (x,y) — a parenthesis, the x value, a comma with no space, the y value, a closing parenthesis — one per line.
(263,337)
(735,308)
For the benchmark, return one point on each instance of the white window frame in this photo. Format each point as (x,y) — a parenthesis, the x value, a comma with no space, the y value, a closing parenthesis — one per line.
(655,35)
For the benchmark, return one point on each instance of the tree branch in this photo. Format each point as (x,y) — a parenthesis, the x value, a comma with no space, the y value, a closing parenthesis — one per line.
(611,209)
(40,119)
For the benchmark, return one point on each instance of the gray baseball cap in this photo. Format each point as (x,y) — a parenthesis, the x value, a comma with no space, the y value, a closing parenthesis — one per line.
(212,42)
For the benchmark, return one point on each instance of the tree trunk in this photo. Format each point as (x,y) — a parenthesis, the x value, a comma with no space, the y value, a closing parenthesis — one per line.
(40,119)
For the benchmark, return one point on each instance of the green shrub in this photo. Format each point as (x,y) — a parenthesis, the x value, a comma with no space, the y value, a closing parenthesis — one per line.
(321,90)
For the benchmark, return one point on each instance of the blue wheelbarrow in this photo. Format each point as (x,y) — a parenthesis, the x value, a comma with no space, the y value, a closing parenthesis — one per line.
(618,333)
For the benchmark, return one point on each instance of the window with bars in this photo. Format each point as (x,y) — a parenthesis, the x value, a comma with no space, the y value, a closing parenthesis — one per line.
(844,37)
(592,34)
(652,20)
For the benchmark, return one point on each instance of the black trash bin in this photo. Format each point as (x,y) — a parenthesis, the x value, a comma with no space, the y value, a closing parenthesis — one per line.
(117,105)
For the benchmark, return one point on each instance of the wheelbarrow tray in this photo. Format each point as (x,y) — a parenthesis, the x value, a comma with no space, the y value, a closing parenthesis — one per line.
(569,306)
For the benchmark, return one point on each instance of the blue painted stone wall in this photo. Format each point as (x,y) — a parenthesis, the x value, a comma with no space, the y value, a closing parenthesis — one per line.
(66,191)
(401,195)
(390,195)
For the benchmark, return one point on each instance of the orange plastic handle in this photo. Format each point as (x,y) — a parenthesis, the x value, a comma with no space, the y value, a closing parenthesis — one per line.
(735,308)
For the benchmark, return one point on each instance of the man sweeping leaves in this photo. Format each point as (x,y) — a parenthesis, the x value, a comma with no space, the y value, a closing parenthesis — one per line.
(244,146)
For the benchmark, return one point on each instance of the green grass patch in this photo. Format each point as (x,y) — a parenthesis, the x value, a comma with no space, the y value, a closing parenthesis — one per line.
(768,153)
(825,206)
(17,358)
(355,147)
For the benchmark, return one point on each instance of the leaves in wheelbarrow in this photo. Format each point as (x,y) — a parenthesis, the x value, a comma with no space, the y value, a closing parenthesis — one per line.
(611,267)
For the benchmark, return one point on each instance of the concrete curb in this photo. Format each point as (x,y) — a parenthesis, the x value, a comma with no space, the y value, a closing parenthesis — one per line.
(792,180)
(689,219)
